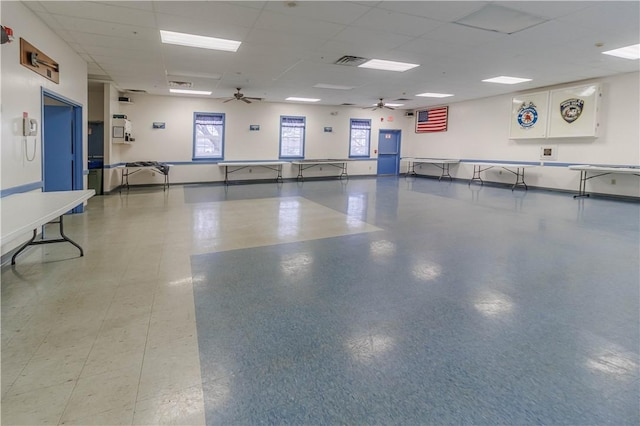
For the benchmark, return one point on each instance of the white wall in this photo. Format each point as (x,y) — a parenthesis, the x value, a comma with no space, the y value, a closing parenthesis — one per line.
(21,92)
(174,144)
(479,130)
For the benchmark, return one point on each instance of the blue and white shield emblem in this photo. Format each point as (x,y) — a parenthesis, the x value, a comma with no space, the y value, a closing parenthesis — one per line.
(527,115)
(571,109)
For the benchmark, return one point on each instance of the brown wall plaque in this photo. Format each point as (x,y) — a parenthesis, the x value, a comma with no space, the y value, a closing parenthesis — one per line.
(38,62)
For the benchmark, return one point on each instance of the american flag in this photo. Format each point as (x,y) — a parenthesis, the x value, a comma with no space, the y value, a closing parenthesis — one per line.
(432,120)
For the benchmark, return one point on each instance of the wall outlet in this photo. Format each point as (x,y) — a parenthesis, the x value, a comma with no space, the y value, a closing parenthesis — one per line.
(613,181)
(249,170)
(500,172)
(320,168)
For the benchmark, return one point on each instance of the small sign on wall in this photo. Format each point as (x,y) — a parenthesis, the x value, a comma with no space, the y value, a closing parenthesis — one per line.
(254,127)
(158,125)
(328,129)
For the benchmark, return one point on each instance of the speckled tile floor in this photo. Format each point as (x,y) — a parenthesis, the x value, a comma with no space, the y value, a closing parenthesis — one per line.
(377,301)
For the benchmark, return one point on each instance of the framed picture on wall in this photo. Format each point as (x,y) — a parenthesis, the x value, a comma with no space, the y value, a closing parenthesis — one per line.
(574,111)
(529,116)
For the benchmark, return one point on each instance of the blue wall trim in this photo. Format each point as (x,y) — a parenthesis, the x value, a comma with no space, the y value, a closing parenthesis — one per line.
(545,163)
(200,162)
(21,188)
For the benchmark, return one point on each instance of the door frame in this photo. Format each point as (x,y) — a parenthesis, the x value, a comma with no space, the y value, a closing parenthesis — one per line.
(398,134)
(77,182)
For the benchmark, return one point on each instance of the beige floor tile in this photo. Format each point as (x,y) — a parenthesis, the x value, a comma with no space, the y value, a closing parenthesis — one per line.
(112,417)
(42,406)
(103,359)
(182,407)
(169,367)
(47,371)
(112,391)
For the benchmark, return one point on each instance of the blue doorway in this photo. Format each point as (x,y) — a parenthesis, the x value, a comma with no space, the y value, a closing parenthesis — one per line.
(389,152)
(62,165)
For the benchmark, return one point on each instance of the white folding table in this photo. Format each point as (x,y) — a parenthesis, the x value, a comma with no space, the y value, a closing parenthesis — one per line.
(479,167)
(442,163)
(234,166)
(133,168)
(601,171)
(28,211)
(307,164)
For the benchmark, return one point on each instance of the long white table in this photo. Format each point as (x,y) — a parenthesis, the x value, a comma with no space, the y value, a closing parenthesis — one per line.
(133,168)
(601,171)
(479,167)
(28,211)
(442,163)
(307,164)
(234,166)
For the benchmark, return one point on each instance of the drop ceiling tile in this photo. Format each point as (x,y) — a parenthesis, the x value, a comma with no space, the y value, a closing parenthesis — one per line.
(215,12)
(460,34)
(297,26)
(102,12)
(330,11)
(444,11)
(398,23)
(113,29)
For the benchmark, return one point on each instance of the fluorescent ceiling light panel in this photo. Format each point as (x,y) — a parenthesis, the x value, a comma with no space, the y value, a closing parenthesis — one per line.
(506,80)
(628,52)
(332,86)
(434,95)
(391,105)
(203,42)
(292,98)
(190,92)
(380,64)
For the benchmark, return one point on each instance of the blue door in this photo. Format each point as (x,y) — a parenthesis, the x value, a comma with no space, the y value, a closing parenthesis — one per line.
(389,152)
(57,142)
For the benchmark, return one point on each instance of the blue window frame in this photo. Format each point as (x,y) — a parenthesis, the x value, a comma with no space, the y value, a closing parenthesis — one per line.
(208,135)
(359,138)
(292,130)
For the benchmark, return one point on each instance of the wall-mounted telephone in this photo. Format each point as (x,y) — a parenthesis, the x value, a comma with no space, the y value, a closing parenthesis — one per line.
(29,127)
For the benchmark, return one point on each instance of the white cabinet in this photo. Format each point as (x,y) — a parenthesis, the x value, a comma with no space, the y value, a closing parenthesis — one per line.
(121,131)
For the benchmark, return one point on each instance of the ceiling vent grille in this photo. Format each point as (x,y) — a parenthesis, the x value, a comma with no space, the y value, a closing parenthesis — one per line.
(351,61)
(402,99)
(181,84)
(136,90)
(347,104)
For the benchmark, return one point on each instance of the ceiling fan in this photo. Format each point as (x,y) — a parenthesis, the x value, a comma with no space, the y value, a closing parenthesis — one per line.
(241,97)
(380,104)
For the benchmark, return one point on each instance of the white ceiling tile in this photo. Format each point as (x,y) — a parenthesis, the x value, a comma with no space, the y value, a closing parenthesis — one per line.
(101,12)
(445,11)
(460,34)
(398,23)
(216,13)
(113,29)
(309,27)
(340,12)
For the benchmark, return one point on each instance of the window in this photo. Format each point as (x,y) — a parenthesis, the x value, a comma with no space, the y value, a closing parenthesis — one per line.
(208,135)
(359,138)
(292,137)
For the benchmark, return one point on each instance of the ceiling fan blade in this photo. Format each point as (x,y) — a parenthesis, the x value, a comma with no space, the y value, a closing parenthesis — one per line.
(245,100)
(224,102)
(253,99)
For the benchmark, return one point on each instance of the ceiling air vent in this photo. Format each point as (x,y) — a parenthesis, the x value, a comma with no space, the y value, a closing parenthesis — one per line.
(347,104)
(181,84)
(351,61)
(403,99)
(135,90)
